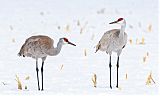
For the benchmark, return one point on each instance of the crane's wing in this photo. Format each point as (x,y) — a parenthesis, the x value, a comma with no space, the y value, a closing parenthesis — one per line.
(40,42)
(125,37)
(106,39)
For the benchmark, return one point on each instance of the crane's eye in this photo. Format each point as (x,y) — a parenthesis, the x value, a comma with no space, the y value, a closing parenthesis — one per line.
(65,39)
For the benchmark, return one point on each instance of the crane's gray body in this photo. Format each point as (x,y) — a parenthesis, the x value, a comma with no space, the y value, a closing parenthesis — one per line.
(112,40)
(39,47)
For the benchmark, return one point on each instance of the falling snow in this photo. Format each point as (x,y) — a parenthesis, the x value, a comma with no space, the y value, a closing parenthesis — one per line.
(83,22)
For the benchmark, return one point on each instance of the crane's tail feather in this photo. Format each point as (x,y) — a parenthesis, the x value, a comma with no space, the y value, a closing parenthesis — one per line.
(21,52)
(98,47)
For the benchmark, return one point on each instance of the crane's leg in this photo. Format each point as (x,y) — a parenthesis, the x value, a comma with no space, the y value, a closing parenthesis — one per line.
(37,73)
(42,74)
(117,70)
(110,71)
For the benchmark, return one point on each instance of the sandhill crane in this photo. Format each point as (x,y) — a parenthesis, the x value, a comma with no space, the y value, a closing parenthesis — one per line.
(40,47)
(113,41)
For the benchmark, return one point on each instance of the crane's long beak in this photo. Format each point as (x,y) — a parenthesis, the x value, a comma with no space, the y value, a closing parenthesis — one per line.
(113,22)
(71,43)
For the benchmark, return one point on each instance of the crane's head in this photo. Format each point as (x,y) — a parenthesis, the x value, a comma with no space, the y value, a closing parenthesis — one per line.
(120,21)
(66,41)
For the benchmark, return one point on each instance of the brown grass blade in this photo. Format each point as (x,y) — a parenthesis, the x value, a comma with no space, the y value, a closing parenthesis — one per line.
(94,80)
(19,83)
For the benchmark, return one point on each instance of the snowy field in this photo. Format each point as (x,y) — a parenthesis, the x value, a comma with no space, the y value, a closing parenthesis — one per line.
(83,22)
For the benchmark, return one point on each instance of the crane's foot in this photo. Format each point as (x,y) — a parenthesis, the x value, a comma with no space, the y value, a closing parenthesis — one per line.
(42,89)
(117,86)
(110,86)
(38,89)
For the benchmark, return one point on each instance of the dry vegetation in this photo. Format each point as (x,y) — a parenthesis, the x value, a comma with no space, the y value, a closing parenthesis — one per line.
(19,83)
(94,80)
(150,79)
(85,52)
(138,41)
(82,27)
(130,41)
(142,41)
(149,28)
(27,78)
(126,77)
(81,30)
(61,67)
(145,57)
(67,28)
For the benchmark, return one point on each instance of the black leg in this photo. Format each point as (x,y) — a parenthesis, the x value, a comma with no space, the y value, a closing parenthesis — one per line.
(37,74)
(117,70)
(42,74)
(110,71)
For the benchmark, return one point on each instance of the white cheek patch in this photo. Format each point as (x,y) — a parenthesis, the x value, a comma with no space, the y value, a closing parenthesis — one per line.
(64,42)
(120,22)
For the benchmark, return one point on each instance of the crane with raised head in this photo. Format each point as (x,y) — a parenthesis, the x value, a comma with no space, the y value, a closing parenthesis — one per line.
(113,41)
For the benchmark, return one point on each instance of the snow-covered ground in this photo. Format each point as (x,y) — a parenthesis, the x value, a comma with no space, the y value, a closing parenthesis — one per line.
(83,22)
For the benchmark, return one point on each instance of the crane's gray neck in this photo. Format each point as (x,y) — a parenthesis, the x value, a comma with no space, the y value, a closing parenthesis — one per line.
(55,51)
(123,26)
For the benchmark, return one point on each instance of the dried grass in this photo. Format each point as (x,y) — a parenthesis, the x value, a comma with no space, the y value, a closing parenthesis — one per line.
(94,80)
(145,57)
(61,67)
(137,41)
(67,28)
(85,52)
(150,79)
(81,30)
(19,83)
(149,28)
(130,41)
(126,77)
(142,42)
(27,78)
